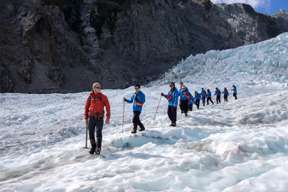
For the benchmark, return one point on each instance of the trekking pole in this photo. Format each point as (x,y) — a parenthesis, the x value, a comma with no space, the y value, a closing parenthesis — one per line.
(86,138)
(123,113)
(157,107)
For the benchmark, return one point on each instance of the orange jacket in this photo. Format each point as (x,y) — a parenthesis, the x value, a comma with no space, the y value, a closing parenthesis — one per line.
(95,106)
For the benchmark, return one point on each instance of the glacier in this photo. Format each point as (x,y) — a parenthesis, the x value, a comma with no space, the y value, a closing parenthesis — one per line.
(237,146)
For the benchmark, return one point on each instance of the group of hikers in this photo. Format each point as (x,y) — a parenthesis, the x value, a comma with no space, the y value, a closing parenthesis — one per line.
(97,101)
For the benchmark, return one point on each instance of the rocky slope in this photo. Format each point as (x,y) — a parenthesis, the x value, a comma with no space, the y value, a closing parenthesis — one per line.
(64,45)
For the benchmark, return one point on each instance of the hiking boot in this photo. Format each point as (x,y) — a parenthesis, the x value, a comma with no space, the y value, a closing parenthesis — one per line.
(173,125)
(98,151)
(134,131)
(142,129)
(92,150)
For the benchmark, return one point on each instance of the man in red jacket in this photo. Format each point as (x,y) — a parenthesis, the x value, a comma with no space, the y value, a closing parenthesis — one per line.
(94,116)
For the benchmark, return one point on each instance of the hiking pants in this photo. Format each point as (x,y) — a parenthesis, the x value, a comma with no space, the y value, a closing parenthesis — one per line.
(209,99)
(184,105)
(172,114)
(95,123)
(137,121)
(218,99)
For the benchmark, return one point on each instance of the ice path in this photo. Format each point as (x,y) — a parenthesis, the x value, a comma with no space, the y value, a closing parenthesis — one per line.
(228,147)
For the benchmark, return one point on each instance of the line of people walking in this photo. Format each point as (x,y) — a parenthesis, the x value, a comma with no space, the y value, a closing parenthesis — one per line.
(96,102)
(187,100)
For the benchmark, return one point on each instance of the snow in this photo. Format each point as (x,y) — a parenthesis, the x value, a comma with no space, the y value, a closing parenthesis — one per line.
(237,146)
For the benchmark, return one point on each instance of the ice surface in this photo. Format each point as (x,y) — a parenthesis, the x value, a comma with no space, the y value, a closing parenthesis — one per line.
(238,146)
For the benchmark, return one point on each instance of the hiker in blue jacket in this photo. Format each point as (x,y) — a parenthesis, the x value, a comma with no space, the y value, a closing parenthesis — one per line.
(226,94)
(234,90)
(197,99)
(203,96)
(138,100)
(209,97)
(218,95)
(184,98)
(191,102)
(172,98)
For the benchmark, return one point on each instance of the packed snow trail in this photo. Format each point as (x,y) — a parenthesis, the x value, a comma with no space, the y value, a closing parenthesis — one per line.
(237,146)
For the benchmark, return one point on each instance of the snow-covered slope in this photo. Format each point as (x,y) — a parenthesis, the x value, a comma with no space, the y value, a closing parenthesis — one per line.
(238,146)
(263,62)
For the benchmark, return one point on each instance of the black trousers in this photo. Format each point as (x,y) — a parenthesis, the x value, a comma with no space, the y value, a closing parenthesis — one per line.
(218,99)
(235,96)
(184,106)
(209,99)
(137,121)
(203,101)
(197,102)
(226,98)
(172,114)
(95,123)
(191,106)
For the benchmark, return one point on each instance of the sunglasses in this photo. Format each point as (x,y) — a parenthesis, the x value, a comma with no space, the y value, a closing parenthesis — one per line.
(97,87)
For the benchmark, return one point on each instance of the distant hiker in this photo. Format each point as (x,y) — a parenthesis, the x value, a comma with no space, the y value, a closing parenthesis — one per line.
(209,97)
(94,116)
(197,99)
(234,90)
(172,98)
(203,96)
(138,100)
(191,102)
(218,95)
(184,98)
(226,94)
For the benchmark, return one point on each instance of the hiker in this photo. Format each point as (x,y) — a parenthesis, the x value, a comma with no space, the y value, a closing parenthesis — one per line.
(184,98)
(197,99)
(234,90)
(209,97)
(94,116)
(203,96)
(172,98)
(226,94)
(191,102)
(138,100)
(218,95)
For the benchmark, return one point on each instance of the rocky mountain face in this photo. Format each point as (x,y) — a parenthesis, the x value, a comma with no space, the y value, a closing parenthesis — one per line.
(64,45)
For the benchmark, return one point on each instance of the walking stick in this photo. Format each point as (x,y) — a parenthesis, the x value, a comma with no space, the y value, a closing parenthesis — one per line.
(157,107)
(86,138)
(123,113)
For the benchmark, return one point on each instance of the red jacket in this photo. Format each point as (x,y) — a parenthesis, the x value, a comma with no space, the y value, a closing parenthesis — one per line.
(95,106)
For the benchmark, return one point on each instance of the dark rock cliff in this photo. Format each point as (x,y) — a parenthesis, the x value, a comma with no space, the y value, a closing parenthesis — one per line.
(64,45)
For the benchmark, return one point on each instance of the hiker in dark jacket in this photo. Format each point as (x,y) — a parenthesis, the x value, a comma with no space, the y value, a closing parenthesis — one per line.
(218,95)
(226,94)
(209,97)
(203,96)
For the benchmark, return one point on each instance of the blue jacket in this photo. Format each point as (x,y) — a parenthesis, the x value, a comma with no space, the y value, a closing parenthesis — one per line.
(191,100)
(226,93)
(138,100)
(172,97)
(184,94)
(203,94)
(197,96)
(209,94)
(217,92)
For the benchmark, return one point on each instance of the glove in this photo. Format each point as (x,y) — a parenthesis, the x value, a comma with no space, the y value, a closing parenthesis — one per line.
(107,121)
(124,99)
(162,94)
